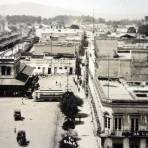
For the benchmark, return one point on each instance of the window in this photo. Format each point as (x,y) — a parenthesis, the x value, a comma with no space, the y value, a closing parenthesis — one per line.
(65,67)
(3,70)
(118,123)
(134,124)
(6,70)
(38,67)
(105,118)
(106,121)
(60,67)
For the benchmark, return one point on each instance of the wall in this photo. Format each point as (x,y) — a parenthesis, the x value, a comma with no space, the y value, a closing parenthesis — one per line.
(117,68)
(41,65)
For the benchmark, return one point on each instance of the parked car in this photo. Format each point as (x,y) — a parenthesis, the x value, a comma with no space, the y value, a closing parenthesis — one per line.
(17,115)
(21,138)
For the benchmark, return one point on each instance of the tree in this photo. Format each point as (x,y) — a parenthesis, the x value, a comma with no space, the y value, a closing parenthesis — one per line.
(69,105)
(101,20)
(68,124)
(68,142)
(131,30)
(73,26)
(78,68)
(83,45)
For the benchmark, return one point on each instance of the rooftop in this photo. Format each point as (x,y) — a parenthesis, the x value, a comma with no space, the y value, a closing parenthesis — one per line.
(120,91)
(114,90)
(40,49)
(106,47)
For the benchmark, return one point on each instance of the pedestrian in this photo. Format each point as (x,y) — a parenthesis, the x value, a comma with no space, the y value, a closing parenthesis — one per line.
(78,89)
(22,101)
(56,83)
(15,130)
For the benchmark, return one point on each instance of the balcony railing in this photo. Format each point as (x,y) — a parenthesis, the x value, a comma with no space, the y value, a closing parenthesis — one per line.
(129,133)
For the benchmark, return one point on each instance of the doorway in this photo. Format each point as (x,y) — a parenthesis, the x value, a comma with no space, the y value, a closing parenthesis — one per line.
(71,71)
(118,146)
(49,70)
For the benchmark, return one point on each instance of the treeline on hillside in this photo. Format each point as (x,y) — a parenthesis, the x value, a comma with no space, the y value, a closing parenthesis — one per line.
(14,19)
(68,19)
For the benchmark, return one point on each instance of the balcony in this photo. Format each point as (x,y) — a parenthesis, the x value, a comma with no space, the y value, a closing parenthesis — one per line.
(129,133)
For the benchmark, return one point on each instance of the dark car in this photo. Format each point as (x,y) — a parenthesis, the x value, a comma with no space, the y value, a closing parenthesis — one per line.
(17,115)
(21,138)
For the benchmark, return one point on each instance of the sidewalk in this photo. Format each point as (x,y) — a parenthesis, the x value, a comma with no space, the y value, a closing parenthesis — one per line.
(86,130)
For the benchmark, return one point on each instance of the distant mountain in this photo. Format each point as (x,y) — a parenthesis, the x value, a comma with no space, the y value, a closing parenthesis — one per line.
(35,9)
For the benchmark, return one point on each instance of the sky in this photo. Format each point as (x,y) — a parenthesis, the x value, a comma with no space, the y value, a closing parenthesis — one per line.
(121,8)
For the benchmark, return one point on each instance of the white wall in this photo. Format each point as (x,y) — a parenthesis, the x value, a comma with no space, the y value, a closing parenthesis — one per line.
(41,65)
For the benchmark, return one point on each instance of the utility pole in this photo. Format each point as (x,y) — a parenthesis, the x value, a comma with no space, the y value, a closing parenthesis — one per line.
(108,75)
(93,22)
(51,43)
(51,49)
(68,77)
(67,81)
(87,74)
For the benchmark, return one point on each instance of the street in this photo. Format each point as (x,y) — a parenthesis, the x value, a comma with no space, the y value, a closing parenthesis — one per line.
(40,123)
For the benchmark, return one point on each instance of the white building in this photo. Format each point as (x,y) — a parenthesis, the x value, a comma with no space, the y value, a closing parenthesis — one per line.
(47,59)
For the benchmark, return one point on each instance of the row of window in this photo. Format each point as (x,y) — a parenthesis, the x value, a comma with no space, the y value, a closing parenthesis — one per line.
(118,123)
(5,70)
(55,67)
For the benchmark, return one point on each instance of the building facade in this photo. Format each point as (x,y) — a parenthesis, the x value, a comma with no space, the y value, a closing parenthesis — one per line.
(120,107)
(52,65)
(14,76)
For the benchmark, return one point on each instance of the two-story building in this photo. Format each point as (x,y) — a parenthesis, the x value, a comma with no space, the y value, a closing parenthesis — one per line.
(122,115)
(14,76)
(52,59)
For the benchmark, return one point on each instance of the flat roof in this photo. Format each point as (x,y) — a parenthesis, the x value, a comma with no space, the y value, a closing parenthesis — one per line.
(106,47)
(105,51)
(41,49)
(111,66)
(115,90)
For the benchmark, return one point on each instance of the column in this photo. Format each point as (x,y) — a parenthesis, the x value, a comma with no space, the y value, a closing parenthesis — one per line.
(126,143)
(143,143)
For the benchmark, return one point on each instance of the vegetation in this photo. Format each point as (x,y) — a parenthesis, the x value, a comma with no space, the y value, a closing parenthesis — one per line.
(69,105)
(14,19)
(68,124)
(83,45)
(143,29)
(131,30)
(73,26)
(78,68)
(68,19)
(68,142)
